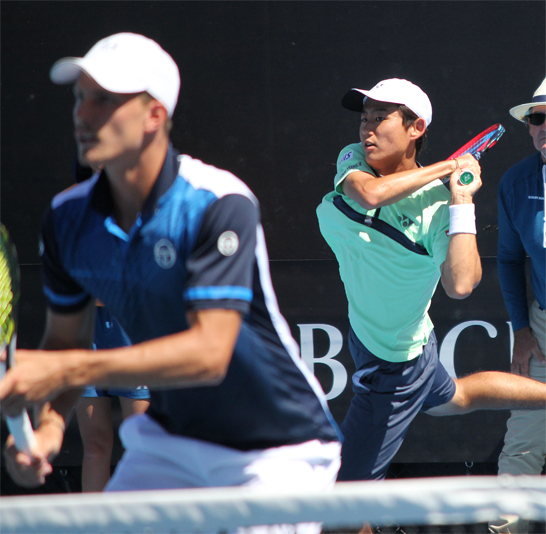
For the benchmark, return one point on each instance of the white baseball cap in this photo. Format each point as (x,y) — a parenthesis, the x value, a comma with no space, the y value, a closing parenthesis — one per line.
(125,63)
(393,91)
(539,99)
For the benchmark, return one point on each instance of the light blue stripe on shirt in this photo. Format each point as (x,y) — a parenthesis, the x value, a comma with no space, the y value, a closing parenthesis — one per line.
(218,292)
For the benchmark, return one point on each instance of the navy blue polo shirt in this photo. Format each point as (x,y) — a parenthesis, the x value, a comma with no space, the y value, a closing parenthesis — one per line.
(198,243)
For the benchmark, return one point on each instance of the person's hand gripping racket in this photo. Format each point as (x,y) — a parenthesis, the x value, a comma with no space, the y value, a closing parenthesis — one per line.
(19,425)
(24,461)
(466,180)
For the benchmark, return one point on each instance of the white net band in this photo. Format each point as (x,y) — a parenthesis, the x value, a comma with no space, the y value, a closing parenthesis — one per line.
(450,500)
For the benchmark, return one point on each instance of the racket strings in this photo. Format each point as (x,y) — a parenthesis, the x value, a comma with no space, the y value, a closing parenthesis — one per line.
(8,291)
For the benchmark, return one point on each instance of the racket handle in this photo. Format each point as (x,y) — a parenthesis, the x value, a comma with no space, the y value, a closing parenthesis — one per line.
(22,432)
(466,177)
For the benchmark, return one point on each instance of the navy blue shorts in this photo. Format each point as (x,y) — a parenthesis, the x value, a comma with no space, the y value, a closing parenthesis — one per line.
(387,398)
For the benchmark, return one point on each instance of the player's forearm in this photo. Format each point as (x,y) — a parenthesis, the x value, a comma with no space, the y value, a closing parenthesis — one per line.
(53,420)
(198,356)
(58,412)
(462,269)
(179,360)
(385,190)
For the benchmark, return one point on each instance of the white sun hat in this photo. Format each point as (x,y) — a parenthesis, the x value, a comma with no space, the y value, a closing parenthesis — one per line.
(539,99)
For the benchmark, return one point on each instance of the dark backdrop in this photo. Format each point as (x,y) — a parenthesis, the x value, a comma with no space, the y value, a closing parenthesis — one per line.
(261,90)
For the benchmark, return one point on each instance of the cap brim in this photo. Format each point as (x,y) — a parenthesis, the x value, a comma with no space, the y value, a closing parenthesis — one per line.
(66,70)
(69,69)
(354,100)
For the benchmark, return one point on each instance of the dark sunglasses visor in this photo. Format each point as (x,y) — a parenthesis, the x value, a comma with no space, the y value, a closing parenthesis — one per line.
(536,119)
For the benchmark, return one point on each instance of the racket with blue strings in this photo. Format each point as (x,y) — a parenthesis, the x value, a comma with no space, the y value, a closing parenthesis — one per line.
(477,146)
(19,426)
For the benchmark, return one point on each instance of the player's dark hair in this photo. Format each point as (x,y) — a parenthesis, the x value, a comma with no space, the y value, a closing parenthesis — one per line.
(409,117)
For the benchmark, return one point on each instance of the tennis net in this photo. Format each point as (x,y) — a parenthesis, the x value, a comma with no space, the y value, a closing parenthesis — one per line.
(447,501)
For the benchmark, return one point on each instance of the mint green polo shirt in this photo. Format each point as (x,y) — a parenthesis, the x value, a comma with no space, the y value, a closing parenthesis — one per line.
(388,287)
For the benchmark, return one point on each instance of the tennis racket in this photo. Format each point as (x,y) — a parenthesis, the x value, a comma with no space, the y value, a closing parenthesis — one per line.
(477,146)
(19,426)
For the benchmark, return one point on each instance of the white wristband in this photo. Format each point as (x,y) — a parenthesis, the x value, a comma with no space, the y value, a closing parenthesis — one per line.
(462,219)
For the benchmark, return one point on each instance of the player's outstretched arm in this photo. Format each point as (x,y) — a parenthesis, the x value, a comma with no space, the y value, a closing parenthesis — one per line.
(462,269)
(373,192)
(198,356)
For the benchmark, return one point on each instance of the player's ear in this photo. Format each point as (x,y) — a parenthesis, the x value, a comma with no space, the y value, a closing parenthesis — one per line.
(157,116)
(419,127)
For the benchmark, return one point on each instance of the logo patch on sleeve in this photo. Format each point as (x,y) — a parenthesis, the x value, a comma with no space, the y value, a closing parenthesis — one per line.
(347,156)
(228,243)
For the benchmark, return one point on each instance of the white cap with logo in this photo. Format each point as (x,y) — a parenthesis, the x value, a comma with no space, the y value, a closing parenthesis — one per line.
(125,63)
(393,91)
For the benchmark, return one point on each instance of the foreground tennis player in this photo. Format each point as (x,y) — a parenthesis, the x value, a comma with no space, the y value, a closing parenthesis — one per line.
(175,250)
(396,231)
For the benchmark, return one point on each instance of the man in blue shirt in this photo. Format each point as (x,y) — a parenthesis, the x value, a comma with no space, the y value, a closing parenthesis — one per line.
(175,249)
(522,233)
